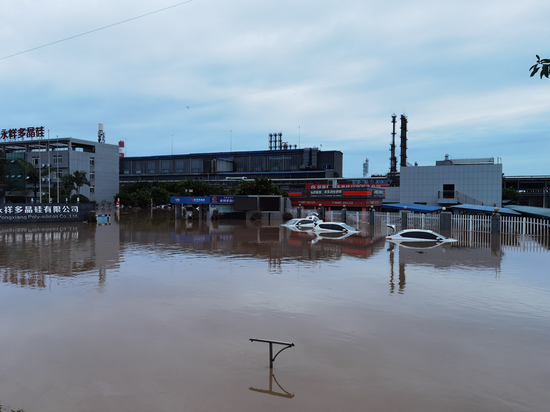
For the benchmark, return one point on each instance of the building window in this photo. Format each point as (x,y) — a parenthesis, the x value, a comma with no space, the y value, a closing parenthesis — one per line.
(92,176)
(57,175)
(165,171)
(240,168)
(35,161)
(448,191)
(275,168)
(138,171)
(327,166)
(126,172)
(179,170)
(57,160)
(195,170)
(293,167)
(150,171)
(92,161)
(257,168)
(92,189)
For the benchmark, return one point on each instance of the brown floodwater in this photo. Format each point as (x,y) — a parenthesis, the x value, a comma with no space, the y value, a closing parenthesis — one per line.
(152,314)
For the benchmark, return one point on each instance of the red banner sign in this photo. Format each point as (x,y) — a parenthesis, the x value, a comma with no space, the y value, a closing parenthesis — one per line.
(337,202)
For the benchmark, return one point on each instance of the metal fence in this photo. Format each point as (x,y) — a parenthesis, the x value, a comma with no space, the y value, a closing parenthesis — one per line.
(459,222)
(524,225)
(472,223)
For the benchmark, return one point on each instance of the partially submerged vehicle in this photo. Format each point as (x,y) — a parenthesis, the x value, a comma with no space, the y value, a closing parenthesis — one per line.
(303,222)
(418,235)
(331,236)
(300,223)
(335,227)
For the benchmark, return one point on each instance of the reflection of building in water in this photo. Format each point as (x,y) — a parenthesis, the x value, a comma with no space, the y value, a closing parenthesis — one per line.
(28,254)
(273,243)
(448,256)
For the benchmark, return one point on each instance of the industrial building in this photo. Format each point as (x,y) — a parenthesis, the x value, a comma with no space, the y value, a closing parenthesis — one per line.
(450,182)
(280,162)
(62,156)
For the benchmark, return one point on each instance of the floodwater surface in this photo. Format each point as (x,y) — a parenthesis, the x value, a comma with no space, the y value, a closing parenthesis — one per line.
(152,314)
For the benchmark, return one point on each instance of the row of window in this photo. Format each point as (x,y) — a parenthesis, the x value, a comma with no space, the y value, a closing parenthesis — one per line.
(274,168)
(58,160)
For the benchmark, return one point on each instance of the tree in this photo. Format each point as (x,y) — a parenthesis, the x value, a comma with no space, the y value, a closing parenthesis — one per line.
(259,186)
(509,193)
(32,177)
(543,65)
(79,180)
(74,182)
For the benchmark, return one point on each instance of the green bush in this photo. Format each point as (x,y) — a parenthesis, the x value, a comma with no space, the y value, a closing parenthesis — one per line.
(256,217)
(287,216)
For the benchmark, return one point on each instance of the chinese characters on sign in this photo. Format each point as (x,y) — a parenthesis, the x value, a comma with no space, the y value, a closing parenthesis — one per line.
(29,132)
(222,200)
(15,213)
(38,209)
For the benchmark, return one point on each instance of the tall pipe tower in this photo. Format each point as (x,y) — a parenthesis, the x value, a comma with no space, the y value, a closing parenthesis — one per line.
(393,159)
(403,141)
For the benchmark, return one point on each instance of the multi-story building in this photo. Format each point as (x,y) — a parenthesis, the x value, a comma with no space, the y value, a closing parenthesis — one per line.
(275,164)
(62,156)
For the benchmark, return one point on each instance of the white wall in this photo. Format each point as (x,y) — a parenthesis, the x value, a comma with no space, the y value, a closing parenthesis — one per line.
(421,184)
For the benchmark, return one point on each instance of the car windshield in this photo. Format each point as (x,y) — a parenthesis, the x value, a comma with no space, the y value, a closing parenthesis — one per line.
(292,222)
(348,227)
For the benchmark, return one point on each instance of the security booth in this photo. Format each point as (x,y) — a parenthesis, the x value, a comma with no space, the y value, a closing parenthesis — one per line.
(194,207)
(240,207)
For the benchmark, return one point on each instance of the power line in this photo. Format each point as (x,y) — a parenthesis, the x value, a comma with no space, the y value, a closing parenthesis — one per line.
(92,31)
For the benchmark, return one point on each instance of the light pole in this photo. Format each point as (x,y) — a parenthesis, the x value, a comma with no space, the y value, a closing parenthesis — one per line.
(57,163)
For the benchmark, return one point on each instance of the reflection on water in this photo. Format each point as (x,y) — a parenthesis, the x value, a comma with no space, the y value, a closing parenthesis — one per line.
(30,253)
(270,391)
(151,313)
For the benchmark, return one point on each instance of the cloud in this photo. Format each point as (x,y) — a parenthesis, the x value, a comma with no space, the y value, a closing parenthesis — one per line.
(329,73)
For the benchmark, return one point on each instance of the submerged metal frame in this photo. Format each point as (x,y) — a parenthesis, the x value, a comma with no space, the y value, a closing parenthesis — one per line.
(271,343)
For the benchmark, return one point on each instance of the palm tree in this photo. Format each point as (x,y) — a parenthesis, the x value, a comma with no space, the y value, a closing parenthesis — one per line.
(32,177)
(79,180)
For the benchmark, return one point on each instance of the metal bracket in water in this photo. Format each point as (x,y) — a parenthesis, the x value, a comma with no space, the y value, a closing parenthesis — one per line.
(271,343)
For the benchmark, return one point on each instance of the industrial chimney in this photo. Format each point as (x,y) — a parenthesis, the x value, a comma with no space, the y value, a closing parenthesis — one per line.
(393,159)
(121,148)
(403,141)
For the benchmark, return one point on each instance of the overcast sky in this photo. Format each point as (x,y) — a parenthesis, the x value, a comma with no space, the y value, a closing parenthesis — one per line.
(220,75)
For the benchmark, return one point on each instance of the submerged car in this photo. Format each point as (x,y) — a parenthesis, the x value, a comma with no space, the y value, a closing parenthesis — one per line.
(418,235)
(302,222)
(336,227)
(330,236)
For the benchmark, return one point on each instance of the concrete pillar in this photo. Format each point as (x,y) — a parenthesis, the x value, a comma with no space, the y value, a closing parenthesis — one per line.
(445,220)
(495,222)
(321,211)
(371,216)
(404,215)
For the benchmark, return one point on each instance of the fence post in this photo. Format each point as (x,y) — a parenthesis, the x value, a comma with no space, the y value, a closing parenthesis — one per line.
(343,215)
(495,221)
